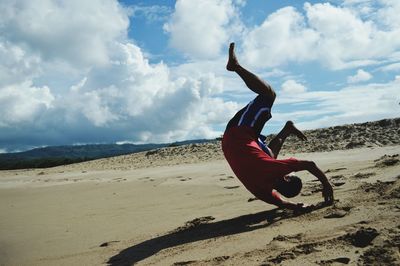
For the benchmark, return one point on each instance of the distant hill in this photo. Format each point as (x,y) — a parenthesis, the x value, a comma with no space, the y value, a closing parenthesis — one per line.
(385,132)
(61,155)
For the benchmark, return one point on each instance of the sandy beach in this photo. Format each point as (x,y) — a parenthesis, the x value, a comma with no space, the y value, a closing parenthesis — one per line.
(183,206)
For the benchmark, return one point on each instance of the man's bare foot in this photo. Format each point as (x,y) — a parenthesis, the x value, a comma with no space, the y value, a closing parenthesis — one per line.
(293,130)
(232,61)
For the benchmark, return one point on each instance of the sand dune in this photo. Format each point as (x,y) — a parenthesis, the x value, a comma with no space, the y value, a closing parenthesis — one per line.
(371,134)
(183,206)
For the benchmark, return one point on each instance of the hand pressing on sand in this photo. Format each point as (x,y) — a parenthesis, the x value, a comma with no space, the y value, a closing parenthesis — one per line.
(327,193)
(290,186)
(327,190)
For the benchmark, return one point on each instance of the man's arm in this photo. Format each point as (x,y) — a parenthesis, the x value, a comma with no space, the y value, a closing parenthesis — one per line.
(311,167)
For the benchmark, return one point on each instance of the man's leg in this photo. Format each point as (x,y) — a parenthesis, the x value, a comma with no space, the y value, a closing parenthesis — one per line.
(253,82)
(289,129)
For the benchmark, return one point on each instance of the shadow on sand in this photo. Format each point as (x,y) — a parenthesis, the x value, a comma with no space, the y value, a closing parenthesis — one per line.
(203,231)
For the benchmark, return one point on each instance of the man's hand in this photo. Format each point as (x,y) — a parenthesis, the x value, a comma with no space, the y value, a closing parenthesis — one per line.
(327,193)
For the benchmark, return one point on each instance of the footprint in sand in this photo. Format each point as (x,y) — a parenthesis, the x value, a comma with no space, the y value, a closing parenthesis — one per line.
(338,183)
(106,244)
(227,178)
(335,170)
(220,259)
(362,237)
(380,187)
(336,214)
(231,187)
(335,177)
(281,257)
(338,211)
(363,175)
(387,160)
(119,179)
(298,250)
(194,223)
(380,255)
(146,178)
(182,263)
(343,260)
(291,238)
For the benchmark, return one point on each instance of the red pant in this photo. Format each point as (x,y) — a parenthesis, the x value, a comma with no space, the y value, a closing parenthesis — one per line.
(254,168)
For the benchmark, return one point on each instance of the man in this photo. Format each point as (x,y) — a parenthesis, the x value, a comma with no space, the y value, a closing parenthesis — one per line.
(256,164)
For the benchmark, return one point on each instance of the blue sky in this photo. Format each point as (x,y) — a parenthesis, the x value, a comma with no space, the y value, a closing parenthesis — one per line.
(75,72)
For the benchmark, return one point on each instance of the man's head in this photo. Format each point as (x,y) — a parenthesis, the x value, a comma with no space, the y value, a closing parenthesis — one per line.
(289,186)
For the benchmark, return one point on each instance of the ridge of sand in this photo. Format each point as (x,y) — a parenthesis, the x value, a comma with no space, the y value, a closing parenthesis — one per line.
(380,133)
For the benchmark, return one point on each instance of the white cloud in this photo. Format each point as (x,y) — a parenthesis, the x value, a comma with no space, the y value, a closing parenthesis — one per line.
(146,99)
(351,104)
(361,7)
(23,103)
(73,76)
(16,64)
(345,38)
(389,16)
(359,77)
(75,31)
(338,37)
(292,87)
(200,29)
(282,37)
